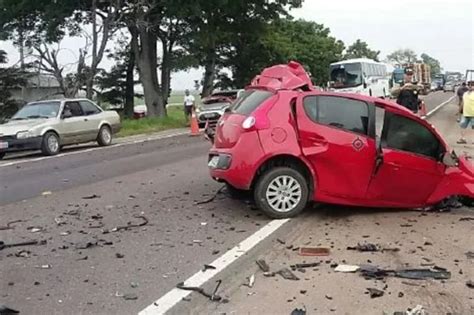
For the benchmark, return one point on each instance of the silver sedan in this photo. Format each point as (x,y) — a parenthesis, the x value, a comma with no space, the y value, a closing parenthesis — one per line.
(50,125)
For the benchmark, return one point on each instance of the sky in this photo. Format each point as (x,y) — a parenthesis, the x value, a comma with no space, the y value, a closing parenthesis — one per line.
(444,29)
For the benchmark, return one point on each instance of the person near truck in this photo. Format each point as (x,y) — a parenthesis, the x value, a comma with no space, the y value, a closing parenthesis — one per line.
(467,113)
(407,95)
(189,104)
(460,93)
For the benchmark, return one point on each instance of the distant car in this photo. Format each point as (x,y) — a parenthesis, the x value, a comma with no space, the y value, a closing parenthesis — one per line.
(50,125)
(449,87)
(290,144)
(214,106)
(139,111)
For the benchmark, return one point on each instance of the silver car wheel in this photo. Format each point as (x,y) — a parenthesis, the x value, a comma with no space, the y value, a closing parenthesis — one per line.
(106,135)
(53,143)
(284,193)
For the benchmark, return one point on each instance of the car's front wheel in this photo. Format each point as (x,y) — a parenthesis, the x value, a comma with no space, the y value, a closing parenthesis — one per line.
(104,138)
(50,144)
(281,192)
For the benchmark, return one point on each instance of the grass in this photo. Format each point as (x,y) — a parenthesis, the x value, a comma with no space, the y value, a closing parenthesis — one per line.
(146,125)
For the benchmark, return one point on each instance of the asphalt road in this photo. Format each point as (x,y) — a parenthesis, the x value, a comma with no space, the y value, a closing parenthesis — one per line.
(160,180)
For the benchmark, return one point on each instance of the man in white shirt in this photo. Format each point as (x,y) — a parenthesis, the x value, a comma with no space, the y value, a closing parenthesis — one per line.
(189,104)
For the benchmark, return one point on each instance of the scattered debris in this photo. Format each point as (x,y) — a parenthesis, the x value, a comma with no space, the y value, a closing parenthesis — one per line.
(418,310)
(118,255)
(44,266)
(251,281)
(59,221)
(8,226)
(269,274)
(212,297)
(262,264)
(281,241)
(85,245)
(46,193)
(375,293)
(215,252)
(303,291)
(212,198)
(94,196)
(130,296)
(304,265)
(314,251)
(467,219)
(197,241)
(287,274)
(134,284)
(23,253)
(421,274)
(401,294)
(5,310)
(36,229)
(346,268)
(328,297)
(82,258)
(130,225)
(470,284)
(65,233)
(470,255)
(206,267)
(3,245)
(299,311)
(369,247)
(203,223)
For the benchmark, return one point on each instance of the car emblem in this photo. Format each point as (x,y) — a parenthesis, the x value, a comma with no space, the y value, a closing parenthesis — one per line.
(358,144)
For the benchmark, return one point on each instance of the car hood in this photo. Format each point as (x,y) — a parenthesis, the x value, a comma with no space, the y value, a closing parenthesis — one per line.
(13,127)
(288,77)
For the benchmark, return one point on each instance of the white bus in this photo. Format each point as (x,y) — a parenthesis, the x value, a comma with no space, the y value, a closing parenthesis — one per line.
(361,76)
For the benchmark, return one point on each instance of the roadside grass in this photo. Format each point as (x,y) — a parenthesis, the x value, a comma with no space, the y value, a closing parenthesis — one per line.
(146,125)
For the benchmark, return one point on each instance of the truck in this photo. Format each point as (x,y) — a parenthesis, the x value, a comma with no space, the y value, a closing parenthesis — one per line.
(421,75)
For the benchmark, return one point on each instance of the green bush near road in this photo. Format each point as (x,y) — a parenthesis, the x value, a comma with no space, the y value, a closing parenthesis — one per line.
(146,125)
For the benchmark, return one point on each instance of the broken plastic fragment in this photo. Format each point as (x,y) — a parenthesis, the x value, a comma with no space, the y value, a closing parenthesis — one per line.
(346,268)
(287,274)
(375,293)
(314,251)
(262,264)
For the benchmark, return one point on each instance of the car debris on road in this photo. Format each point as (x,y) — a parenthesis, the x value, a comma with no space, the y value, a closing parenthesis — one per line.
(314,251)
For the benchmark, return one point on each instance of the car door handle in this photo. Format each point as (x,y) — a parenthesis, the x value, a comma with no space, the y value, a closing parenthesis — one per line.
(85,119)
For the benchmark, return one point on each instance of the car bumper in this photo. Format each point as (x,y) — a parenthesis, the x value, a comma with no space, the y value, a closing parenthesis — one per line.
(238,165)
(13,145)
(210,116)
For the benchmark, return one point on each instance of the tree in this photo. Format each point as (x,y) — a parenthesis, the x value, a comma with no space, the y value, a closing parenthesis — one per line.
(434,64)
(402,56)
(360,49)
(10,77)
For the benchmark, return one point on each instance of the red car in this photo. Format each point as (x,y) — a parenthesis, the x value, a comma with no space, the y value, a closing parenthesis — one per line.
(291,144)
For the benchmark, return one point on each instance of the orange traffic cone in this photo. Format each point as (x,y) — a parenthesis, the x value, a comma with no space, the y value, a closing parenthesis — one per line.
(422,109)
(194,125)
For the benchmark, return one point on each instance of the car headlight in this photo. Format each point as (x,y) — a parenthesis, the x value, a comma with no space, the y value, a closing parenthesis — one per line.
(24,135)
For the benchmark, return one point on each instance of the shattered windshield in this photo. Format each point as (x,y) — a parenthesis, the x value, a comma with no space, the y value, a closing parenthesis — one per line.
(346,75)
(38,110)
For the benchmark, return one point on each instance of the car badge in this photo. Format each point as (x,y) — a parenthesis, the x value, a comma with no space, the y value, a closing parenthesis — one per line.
(357,144)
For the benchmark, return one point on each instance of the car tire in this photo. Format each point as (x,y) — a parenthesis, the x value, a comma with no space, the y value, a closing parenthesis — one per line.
(281,192)
(2,155)
(50,144)
(104,138)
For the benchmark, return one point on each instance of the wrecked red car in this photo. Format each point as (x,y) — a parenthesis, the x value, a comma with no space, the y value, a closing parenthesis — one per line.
(290,144)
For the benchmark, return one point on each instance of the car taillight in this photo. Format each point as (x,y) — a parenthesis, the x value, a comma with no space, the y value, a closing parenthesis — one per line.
(248,123)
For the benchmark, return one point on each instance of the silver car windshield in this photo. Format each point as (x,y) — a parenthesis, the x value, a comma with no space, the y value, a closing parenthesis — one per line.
(38,110)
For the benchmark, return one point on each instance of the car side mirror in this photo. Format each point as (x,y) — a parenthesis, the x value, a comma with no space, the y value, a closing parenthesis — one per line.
(450,159)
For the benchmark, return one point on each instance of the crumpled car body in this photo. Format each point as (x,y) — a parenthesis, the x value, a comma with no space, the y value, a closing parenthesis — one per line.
(289,143)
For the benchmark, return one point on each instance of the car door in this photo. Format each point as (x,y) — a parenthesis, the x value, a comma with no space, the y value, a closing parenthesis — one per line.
(92,119)
(335,138)
(410,168)
(72,123)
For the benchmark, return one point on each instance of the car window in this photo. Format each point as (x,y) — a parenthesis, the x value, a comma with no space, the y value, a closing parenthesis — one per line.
(250,101)
(339,112)
(74,108)
(88,108)
(408,135)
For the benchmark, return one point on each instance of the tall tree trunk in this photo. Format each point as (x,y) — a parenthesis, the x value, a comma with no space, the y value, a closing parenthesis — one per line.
(91,70)
(144,45)
(166,70)
(209,73)
(129,85)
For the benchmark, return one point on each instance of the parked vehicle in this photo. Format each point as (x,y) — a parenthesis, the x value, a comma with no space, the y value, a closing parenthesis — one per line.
(290,144)
(214,106)
(361,76)
(449,87)
(139,111)
(50,125)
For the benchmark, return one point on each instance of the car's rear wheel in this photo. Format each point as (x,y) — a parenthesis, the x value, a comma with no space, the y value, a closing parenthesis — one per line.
(281,192)
(104,138)
(50,144)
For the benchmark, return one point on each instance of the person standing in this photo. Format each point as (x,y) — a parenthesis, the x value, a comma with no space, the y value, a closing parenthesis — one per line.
(461,90)
(407,95)
(467,112)
(189,104)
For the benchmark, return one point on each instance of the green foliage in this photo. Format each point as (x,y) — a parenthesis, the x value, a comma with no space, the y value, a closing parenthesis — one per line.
(434,64)
(10,77)
(402,56)
(360,49)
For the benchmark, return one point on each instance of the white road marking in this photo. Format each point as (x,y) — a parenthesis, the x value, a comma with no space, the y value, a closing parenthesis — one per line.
(173,297)
(181,133)
(431,112)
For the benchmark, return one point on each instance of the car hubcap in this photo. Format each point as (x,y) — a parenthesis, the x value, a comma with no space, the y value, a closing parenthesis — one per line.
(53,144)
(284,193)
(106,135)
